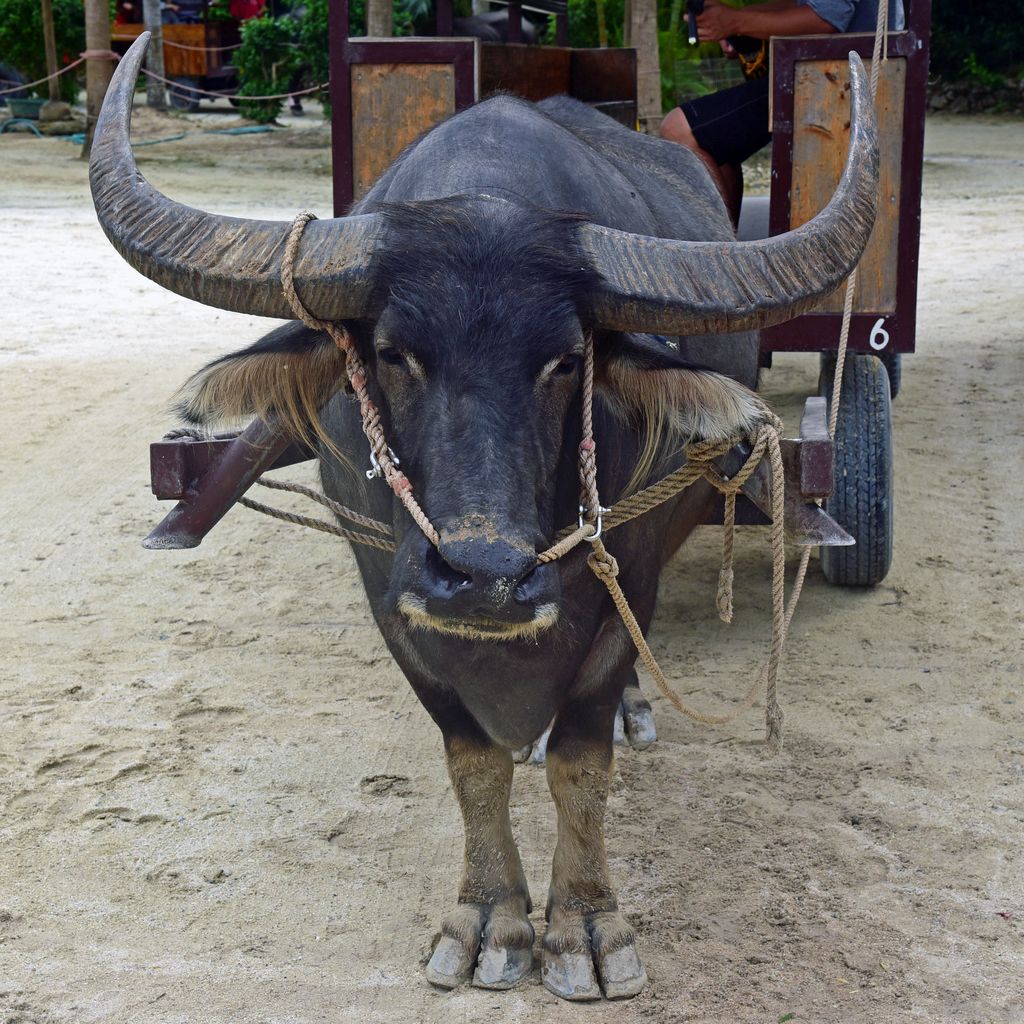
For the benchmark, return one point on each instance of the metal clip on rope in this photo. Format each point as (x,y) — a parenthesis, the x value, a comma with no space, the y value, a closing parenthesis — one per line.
(376,471)
(598,525)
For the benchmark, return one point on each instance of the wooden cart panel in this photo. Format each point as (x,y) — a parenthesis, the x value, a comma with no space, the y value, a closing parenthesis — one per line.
(204,56)
(821,136)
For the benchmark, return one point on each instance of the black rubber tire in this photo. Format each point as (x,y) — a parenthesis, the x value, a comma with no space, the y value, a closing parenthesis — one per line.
(181,95)
(862,501)
(892,361)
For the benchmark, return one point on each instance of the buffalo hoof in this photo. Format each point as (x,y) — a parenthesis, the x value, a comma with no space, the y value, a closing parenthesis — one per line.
(491,945)
(570,976)
(536,752)
(587,956)
(634,722)
(638,718)
(502,967)
(621,973)
(450,964)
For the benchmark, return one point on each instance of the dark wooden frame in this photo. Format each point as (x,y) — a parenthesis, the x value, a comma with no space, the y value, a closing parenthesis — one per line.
(346,52)
(817,332)
(604,78)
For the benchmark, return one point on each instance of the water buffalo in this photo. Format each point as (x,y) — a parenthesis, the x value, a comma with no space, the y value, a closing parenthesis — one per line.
(469,277)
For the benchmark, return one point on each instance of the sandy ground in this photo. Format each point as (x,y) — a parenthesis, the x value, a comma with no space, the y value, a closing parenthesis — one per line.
(222,802)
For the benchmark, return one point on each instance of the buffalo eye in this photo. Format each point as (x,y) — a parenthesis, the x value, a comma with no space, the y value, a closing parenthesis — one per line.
(567,365)
(391,357)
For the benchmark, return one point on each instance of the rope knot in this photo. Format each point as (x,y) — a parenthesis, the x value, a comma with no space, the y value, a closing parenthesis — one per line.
(602,563)
(588,445)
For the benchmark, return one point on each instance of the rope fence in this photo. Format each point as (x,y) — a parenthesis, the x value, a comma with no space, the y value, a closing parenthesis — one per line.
(39,81)
(192,89)
(181,46)
(232,95)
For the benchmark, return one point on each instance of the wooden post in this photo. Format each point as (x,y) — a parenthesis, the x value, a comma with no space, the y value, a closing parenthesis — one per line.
(156,92)
(379,22)
(602,24)
(643,37)
(50,43)
(98,71)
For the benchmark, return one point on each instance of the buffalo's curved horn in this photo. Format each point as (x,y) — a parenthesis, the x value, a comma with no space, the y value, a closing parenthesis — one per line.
(226,262)
(665,286)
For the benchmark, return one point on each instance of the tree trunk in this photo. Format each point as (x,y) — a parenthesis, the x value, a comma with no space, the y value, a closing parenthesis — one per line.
(643,35)
(156,94)
(378,18)
(97,71)
(602,24)
(50,44)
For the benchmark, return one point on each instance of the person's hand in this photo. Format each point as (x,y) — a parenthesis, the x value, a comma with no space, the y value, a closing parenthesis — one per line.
(727,48)
(716,22)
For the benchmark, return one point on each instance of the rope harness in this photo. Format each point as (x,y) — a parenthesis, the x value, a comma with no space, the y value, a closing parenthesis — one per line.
(594,520)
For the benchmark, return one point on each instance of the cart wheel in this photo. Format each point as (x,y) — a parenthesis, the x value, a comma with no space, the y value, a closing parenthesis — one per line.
(182,96)
(862,502)
(892,361)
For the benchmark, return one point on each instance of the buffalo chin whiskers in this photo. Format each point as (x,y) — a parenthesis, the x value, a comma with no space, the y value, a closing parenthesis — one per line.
(414,609)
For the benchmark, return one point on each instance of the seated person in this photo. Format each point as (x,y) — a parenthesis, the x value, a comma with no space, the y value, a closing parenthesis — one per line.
(727,127)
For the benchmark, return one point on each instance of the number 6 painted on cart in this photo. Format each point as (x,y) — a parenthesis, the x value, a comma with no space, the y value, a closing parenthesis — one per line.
(879,336)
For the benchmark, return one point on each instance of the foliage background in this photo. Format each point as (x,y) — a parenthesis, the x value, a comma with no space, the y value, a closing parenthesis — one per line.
(21,40)
(980,42)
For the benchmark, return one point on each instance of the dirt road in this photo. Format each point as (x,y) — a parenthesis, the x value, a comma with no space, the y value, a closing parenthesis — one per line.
(222,803)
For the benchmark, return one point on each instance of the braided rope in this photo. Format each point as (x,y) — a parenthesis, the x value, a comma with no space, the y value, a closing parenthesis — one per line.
(319,524)
(335,506)
(589,499)
(356,372)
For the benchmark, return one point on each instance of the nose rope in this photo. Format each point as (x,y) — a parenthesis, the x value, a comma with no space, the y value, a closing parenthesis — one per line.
(700,456)
(356,372)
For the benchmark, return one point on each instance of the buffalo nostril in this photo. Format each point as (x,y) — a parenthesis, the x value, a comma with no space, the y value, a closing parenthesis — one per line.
(446,579)
(528,587)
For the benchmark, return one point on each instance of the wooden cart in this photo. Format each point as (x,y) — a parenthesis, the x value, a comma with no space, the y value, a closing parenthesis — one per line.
(810,83)
(385,92)
(195,57)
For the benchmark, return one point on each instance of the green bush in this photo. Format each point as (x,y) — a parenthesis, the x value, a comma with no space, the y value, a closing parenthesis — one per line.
(22,47)
(266,61)
(981,41)
(310,34)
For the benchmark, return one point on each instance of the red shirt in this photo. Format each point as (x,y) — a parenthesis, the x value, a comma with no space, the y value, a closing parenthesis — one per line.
(245,9)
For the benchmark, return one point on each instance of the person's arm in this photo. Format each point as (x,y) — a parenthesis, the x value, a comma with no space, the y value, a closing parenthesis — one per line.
(762,21)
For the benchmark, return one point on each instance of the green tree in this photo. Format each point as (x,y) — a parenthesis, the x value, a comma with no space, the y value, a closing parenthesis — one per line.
(21,40)
(970,39)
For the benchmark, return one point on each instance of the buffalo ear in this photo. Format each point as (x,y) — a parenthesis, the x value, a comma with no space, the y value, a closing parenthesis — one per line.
(646,382)
(288,374)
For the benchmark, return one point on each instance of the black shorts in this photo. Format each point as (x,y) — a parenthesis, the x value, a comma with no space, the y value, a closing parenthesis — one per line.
(732,124)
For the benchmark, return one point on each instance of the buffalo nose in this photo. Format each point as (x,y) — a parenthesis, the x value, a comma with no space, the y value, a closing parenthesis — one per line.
(483,578)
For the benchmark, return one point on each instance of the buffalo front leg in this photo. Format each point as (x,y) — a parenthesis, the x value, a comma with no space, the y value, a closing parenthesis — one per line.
(490,929)
(585,928)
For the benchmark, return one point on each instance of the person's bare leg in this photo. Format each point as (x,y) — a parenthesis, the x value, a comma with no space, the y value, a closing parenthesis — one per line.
(728,179)
(732,179)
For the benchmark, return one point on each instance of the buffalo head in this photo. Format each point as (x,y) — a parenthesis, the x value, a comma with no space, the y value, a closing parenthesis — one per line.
(471,313)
